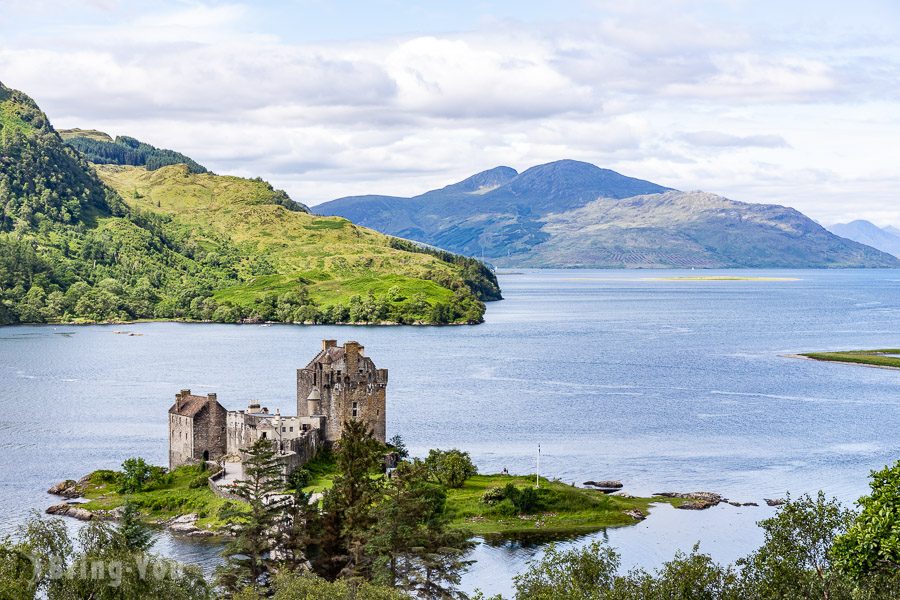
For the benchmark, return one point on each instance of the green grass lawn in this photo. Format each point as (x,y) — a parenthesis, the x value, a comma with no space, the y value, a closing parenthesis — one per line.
(877,358)
(564,509)
(164,501)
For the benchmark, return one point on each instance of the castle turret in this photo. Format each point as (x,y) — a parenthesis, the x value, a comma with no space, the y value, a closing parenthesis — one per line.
(313,402)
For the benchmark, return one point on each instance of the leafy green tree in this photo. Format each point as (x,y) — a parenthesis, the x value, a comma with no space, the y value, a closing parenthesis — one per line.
(872,543)
(795,558)
(31,309)
(135,475)
(17,576)
(450,468)
(247,557)
(693,576)
(586,573)
(54,306)
(294,586)
(101,565)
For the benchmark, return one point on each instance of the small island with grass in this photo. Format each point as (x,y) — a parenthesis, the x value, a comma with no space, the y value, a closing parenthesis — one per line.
(887,358)
(496,506)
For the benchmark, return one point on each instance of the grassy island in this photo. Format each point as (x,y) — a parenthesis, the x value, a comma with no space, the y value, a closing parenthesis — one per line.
(559,507)
(555,508)
(888,358)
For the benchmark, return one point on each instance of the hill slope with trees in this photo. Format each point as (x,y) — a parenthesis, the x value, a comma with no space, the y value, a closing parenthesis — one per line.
(100,148)
(72,249)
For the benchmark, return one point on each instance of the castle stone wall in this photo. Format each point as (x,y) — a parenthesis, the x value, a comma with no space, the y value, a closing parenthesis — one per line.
(181,440)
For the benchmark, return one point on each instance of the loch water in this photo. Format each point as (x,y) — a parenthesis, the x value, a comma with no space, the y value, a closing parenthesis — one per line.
(664,384)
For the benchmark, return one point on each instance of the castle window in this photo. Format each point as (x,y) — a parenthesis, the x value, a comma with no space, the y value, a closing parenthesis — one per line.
(283,430)
(292,429)
(263,435)
(354,412)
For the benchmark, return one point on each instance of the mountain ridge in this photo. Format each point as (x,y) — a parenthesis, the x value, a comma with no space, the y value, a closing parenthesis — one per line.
(886,239)
(522,221)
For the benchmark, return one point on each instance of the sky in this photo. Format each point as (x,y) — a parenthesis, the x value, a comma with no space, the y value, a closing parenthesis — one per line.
(786,102)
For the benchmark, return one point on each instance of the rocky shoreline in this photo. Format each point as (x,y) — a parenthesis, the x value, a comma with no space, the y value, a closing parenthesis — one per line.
(695,500)
(73,491)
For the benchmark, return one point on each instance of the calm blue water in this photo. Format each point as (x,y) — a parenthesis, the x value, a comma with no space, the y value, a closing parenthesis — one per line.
(666,385)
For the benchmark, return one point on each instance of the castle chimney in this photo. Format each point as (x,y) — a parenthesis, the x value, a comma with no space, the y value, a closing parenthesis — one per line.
(178,402)
(326,344)
(211,398)
(352,352)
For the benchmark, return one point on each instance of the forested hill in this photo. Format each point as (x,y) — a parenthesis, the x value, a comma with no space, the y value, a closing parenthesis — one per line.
(100,148)
(197,246)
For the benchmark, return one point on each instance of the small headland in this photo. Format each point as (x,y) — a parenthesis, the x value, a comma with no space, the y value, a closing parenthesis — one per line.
(888,358)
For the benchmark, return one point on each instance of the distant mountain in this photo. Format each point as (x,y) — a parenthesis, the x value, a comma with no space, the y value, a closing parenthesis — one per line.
(886,239)
(101,149)
(493,213)
(574,214)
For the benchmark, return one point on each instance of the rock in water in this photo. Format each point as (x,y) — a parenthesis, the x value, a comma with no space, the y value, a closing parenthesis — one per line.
(774,501)
(187,525)
(610,483)
(64,509)
(607,486)
(68,488)
(698,500)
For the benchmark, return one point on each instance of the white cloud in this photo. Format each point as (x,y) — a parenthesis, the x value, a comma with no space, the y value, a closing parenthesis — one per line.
(718,139)
(690,99)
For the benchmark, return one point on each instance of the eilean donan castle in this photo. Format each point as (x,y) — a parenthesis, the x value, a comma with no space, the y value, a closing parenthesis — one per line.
(338,385)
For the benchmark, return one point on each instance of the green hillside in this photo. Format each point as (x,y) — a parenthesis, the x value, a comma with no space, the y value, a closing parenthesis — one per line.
(91,134)
(349,272)
(196,246)
(100,148)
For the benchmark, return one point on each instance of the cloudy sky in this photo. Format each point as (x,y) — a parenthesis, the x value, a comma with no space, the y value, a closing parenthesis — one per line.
(790,102)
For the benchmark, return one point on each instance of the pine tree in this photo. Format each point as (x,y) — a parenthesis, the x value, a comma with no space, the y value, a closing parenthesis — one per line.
(248,556)
(347,506)
(410,545)
(135,534)
(301,532)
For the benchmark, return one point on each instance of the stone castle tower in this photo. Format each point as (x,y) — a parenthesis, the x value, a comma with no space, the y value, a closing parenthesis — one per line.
(341,384)
(196,429)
